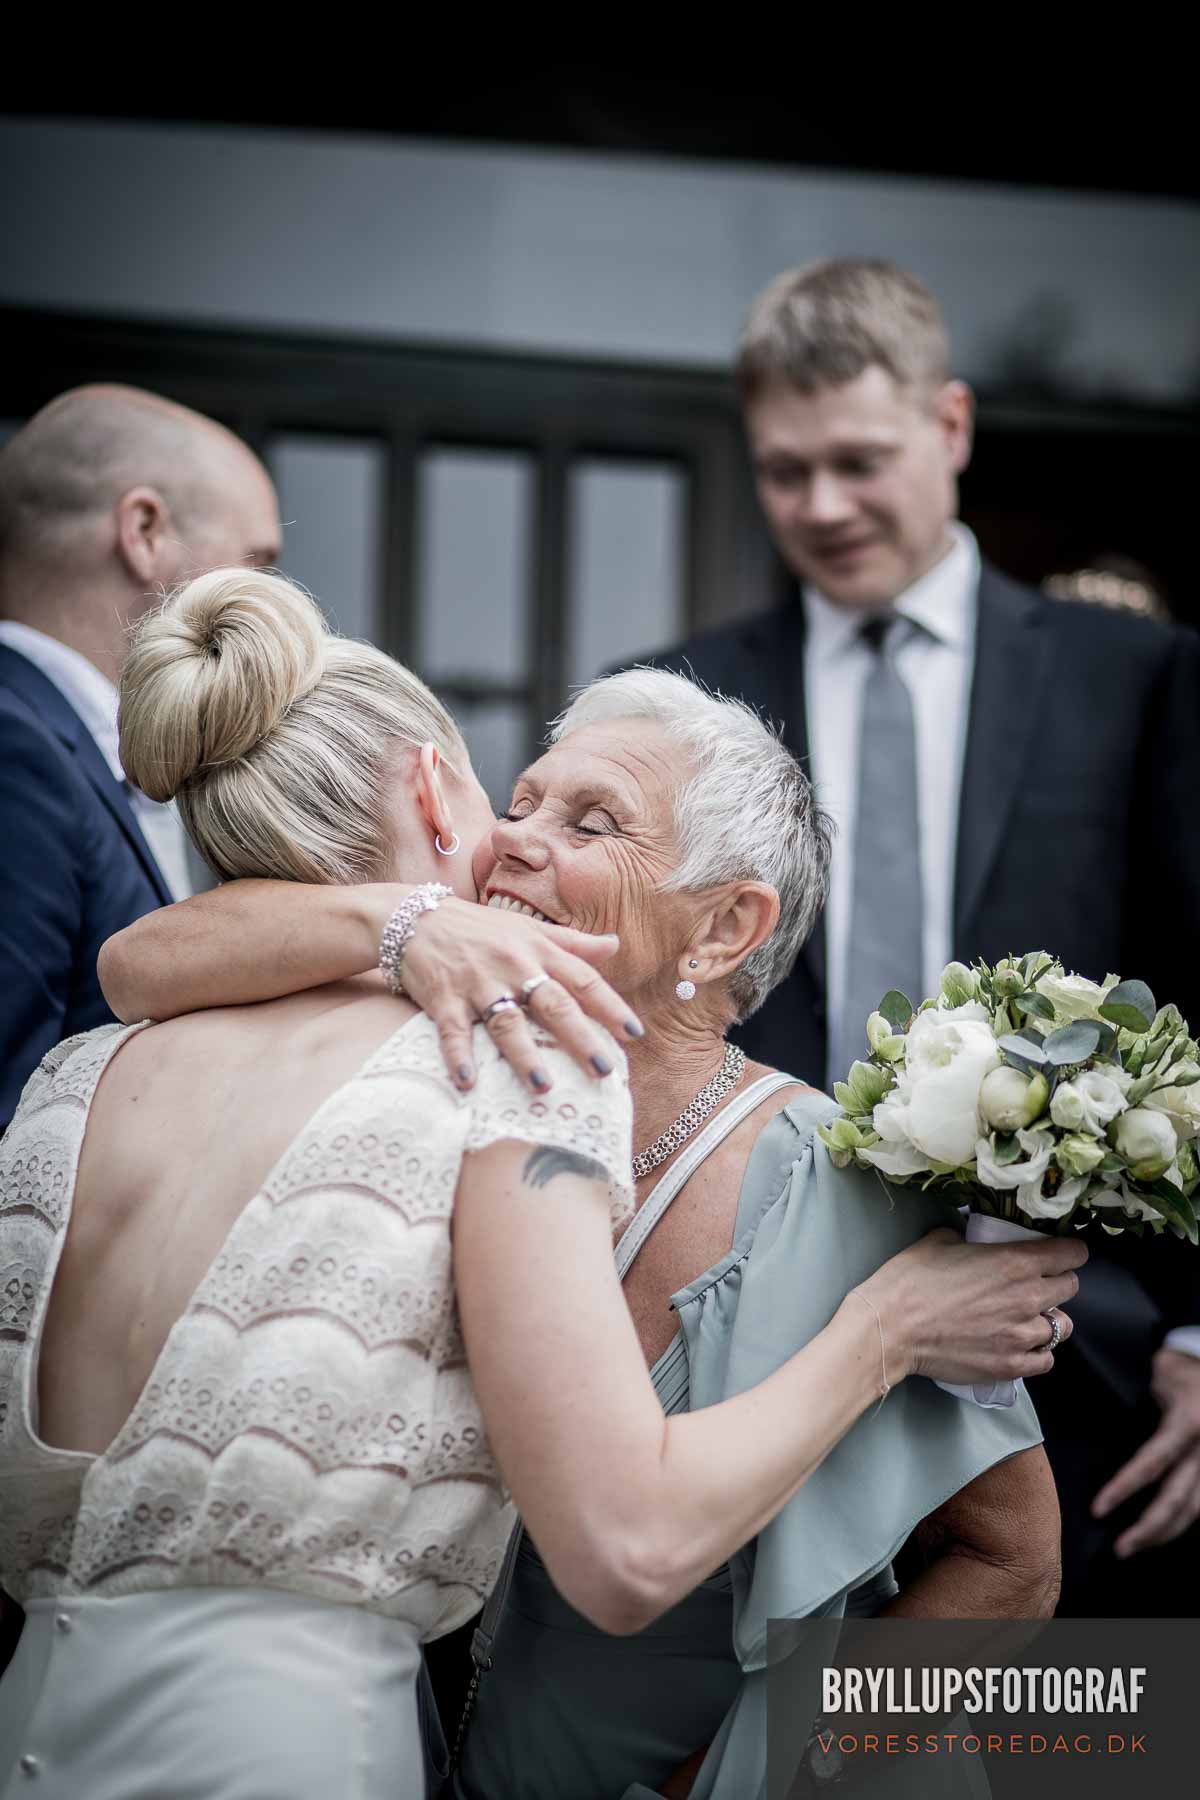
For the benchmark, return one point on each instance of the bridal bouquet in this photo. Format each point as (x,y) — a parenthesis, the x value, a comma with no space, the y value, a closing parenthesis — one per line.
(1031,1096)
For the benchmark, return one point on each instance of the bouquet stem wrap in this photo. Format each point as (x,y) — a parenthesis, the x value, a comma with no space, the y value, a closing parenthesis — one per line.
(985,1228)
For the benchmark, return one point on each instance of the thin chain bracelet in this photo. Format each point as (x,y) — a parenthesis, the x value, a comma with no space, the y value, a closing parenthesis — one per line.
(397,933)
(886,1388)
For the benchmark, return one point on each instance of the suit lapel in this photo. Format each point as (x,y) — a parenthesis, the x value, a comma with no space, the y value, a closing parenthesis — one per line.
(116,799)
(1012,662)
(50,707)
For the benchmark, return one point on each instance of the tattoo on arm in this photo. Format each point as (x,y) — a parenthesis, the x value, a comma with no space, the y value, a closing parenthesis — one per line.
(546,1162)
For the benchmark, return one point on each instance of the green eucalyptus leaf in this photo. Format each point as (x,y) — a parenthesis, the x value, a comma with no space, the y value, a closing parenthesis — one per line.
(1007,1149)
(1130,1004)
(896,1008)
(1035,1004)
(1072,1043)
(1024,1052)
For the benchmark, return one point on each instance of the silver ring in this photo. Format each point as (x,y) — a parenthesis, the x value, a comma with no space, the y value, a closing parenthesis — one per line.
(1051,1313)
(505,1003)
(528,988)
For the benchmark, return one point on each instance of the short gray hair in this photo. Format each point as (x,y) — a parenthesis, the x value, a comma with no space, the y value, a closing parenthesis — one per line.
(748,812)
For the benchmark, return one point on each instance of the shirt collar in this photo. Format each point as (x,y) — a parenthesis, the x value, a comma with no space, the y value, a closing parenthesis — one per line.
(940,602)
(80,683)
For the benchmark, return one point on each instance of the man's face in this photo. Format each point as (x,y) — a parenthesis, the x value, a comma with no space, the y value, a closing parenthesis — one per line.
(859,482)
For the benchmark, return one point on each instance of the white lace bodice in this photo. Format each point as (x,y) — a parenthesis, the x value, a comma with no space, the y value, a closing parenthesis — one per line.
(310,1423)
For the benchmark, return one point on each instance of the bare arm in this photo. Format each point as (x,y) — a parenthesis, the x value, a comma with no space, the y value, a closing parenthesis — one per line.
(629,1510)
(244,941)
(994,1548)
(255,940)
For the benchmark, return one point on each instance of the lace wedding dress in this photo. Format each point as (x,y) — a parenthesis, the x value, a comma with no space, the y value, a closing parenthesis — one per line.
(229,1602)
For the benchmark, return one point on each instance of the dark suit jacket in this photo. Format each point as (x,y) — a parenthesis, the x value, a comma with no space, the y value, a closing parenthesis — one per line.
(1079,833)
(74,868)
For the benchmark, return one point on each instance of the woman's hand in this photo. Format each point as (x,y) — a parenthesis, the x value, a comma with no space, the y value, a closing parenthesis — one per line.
(462,957)
(969,1313)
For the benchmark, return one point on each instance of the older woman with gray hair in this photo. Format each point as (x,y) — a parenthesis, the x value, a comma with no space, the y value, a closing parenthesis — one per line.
(678,821)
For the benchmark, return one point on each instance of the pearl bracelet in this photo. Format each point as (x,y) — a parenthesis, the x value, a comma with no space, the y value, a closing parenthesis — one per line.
(400,926)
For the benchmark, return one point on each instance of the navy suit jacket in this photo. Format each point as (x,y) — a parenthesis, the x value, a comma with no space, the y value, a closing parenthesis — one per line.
(74,868)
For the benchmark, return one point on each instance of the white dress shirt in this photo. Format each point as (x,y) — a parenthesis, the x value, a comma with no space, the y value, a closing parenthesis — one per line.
(94,698)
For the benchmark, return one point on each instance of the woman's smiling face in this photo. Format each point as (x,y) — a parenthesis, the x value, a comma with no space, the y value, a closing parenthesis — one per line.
(589,840)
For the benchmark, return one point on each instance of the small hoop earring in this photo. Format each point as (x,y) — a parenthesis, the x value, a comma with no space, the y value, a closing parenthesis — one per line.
(685,990)
(444,849)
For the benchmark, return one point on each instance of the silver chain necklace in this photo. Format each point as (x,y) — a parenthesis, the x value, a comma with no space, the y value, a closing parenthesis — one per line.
(733,1067)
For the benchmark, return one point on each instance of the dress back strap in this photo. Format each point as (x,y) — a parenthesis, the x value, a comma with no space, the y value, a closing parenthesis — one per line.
(706,1141)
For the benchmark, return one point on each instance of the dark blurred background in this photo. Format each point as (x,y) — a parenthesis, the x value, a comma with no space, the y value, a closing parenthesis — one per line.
(481,333)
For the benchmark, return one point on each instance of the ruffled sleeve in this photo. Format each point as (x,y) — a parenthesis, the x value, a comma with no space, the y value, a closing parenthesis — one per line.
(807,1233)
(593,1118)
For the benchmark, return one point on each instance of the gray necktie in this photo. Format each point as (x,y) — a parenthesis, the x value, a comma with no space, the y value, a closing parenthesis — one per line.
(883,949)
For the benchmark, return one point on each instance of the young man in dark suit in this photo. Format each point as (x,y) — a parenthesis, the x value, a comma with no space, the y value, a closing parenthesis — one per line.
(1008,773)
(107,498)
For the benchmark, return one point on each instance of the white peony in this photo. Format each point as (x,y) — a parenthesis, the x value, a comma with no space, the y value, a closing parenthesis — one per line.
(895,1154)
(1072,996)
(934,1109)
(1090,1102)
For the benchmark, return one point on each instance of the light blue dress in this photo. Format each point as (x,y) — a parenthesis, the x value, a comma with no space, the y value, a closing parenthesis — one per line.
(567,1711)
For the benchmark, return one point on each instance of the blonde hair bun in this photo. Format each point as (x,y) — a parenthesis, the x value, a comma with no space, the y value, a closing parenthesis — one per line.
(213,672)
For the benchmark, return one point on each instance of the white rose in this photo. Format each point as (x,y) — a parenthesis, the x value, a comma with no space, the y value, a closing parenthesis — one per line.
(1147,1141)
(1028,1175)
(1008,1100)
(1181,1105)
(1088,1103)
(1071,996)
(1032,1198)
(947,1058)
(1026,1171)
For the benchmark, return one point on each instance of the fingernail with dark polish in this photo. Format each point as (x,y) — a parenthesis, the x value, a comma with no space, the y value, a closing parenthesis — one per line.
(634,1028)
(602,1065)
(464,1075)
(539,1079)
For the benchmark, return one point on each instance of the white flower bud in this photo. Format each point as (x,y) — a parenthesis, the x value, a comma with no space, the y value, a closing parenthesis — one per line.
(1147,1141)
(1009,1100)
